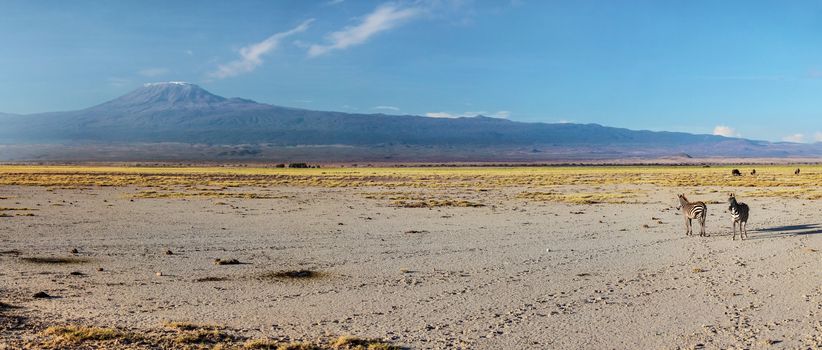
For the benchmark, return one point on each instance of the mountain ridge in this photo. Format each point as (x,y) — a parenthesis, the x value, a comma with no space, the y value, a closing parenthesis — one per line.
(184,113)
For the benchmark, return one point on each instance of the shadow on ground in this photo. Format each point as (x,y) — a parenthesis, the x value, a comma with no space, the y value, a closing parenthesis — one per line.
(790,230)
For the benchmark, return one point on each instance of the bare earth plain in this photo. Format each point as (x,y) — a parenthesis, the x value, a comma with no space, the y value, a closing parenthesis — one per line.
(474,258)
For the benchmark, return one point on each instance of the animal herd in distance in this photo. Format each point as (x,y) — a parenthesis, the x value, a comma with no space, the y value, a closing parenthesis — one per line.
(736,172)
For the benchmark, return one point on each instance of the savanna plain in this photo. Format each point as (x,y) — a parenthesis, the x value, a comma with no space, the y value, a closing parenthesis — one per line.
(122,257)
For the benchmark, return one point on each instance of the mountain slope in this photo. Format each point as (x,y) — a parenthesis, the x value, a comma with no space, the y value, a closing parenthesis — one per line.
(184,113)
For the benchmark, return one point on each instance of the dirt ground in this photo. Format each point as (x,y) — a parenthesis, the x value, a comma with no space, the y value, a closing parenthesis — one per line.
(511,274)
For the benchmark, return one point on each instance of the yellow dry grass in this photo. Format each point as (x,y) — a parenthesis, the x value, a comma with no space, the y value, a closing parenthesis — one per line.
(79,176)
(794,192)
(216,182)
(182,335)
(357,343)
(627,196)
(65,335)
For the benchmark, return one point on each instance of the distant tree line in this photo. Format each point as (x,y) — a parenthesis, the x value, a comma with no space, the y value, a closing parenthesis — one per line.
(296,165)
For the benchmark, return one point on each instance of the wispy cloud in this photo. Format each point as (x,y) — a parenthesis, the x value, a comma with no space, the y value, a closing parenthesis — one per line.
(118,82)
(745,77)
(501,114)
(814,74)
(153,72)
(726,131)
(334,2)
(798,138)
(817,137)
(251,56)
(498,114)
(383,18)
(440,115)
(388,108)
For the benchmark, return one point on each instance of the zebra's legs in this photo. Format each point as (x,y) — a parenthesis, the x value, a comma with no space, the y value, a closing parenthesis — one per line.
(702,227)
(743,225)
(734,236)
(687,226)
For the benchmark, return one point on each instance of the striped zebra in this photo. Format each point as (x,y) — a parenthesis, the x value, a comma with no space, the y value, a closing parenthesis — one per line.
(739,214)
(693,210)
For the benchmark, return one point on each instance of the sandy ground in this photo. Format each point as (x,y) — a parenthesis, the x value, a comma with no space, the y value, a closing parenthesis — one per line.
(513,274)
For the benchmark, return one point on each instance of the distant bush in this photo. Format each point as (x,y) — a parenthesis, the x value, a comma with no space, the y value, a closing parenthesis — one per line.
(280,165)
(298,165)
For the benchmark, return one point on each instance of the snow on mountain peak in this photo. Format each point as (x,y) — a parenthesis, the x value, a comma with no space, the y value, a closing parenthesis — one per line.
(182,83)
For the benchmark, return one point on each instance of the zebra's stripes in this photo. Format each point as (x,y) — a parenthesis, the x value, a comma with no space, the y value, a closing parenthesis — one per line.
(693,210)
(739,215)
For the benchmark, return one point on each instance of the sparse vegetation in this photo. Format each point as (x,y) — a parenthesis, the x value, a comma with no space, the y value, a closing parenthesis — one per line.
(55,260)
(299,346)
(66,335)
(433,203)
(181,335)
(582,197)
(206,194)
(290,274)
(221,178)
(261,344)
(227,262)
(406,186)
(189,326)
(202,336)
(211,279)
(356,343)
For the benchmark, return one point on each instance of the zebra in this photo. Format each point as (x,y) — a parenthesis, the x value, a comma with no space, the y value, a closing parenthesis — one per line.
(739,214)
(693,210)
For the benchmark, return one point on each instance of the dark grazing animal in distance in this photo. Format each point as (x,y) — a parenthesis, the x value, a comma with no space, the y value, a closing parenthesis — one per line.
(796,172)
(753,171)
(736,172)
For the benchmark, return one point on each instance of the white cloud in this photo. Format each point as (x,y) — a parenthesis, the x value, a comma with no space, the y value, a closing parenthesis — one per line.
(498,114)
(726,131)
(251,56)
(440,115)
(383,18)
(817,137)
(501,114)
(118,82)
(798,138)
(334,2)
(388,108)
(153,72)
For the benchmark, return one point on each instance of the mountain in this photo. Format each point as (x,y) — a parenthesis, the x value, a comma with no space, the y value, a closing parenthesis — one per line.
(203,125)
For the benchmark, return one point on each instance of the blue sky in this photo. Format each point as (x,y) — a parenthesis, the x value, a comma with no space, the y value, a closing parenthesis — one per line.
(744,68)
